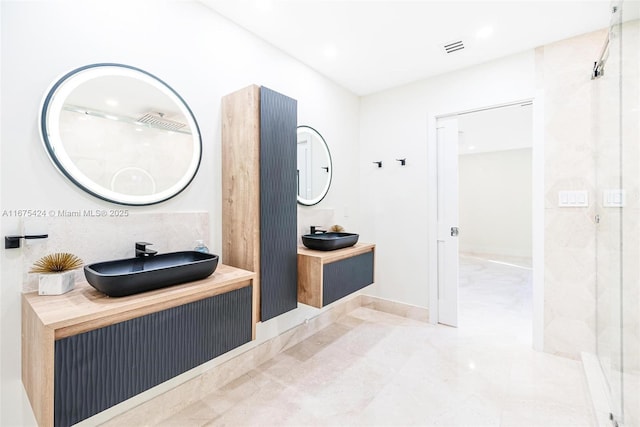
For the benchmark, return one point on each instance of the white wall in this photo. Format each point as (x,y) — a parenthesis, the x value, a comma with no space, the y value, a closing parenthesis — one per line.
(203,57)
(495,203)
(393,124)
(505,128)
(396,201)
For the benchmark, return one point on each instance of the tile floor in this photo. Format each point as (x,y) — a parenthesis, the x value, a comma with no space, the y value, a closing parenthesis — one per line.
(374,368)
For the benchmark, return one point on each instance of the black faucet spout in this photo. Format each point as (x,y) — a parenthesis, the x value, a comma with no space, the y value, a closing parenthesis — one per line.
(142,251)
(315,229)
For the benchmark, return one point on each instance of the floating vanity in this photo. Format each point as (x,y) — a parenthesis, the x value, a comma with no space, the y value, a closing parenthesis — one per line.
(327,276)
(83,352)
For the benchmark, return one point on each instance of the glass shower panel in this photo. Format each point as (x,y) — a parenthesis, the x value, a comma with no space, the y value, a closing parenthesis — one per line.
(630,160)
(606,102)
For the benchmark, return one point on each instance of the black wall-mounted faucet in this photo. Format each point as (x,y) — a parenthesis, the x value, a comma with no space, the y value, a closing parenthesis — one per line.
(315,229)
(142,251)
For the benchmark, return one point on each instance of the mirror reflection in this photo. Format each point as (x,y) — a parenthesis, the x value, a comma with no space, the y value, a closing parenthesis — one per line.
(121,134)
(314,166)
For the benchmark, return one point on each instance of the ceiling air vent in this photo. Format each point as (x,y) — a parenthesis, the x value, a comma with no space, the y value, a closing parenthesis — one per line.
(453,46)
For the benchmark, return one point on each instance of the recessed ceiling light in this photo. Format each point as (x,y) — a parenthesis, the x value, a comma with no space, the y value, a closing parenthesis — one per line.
(330,51)
(484,32)
(472,147)
(263,5)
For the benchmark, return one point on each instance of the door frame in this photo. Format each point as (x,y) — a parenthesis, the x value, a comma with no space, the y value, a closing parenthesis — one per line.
(537,229)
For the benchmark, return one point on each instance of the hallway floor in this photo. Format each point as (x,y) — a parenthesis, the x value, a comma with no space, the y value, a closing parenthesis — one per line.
(374,368)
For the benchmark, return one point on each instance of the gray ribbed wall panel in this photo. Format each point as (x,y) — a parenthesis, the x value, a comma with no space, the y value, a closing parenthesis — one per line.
(344,277)
(278,204)
(98,369)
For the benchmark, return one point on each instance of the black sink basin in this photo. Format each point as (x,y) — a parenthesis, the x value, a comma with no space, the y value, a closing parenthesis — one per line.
(134,275)
(329,241)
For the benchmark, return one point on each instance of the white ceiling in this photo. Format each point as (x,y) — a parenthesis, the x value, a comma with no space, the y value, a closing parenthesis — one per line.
(368,46)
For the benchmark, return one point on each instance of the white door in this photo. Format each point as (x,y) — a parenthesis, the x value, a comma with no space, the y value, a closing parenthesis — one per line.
(447,217)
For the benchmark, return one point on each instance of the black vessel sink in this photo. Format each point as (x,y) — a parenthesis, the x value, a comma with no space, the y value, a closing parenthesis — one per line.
(134,275)
(329,241)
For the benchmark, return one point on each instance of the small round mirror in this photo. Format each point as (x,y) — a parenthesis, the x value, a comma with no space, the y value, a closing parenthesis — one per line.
(314,166)
(120,134)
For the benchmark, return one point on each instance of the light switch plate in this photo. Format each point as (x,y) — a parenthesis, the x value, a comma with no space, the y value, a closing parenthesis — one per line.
(573,199)
(614,198)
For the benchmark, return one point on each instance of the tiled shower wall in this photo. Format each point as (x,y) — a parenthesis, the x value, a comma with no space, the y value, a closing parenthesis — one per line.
(563,72)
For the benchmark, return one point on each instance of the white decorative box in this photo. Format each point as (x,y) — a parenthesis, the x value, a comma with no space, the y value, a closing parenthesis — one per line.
(56,283)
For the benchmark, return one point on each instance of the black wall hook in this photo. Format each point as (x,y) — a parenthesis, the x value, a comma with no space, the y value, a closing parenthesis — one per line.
(378,163)
(13,242)
(402,161)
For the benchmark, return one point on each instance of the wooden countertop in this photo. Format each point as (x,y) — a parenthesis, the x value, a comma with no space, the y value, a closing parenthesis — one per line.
(85,308)
(332,256)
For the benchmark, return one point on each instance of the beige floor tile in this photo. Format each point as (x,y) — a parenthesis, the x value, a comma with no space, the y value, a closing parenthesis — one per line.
(197,414)
(533,413)
(375,368)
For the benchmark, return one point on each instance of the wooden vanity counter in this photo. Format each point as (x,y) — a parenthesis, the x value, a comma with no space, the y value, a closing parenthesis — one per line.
(48,319)
(338,254)
(324,276)
(85,308)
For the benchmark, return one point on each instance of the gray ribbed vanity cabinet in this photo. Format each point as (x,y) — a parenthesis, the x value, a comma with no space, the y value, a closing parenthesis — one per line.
(326,276)
(83,352)
(344,277)
(259,206)
(98,369)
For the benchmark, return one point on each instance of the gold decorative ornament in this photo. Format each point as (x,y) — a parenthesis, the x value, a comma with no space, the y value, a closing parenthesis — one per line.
(56,263)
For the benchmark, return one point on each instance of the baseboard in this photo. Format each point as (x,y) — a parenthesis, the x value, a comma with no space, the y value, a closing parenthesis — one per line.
(393,307)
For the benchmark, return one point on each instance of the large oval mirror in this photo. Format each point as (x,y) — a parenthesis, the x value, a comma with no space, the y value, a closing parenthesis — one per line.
(314,166)
(121,134)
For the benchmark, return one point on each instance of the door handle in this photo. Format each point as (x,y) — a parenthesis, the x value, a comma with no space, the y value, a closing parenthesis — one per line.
(454,231)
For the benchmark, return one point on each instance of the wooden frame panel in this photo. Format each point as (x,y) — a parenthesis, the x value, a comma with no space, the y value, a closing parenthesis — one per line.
(241,182)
